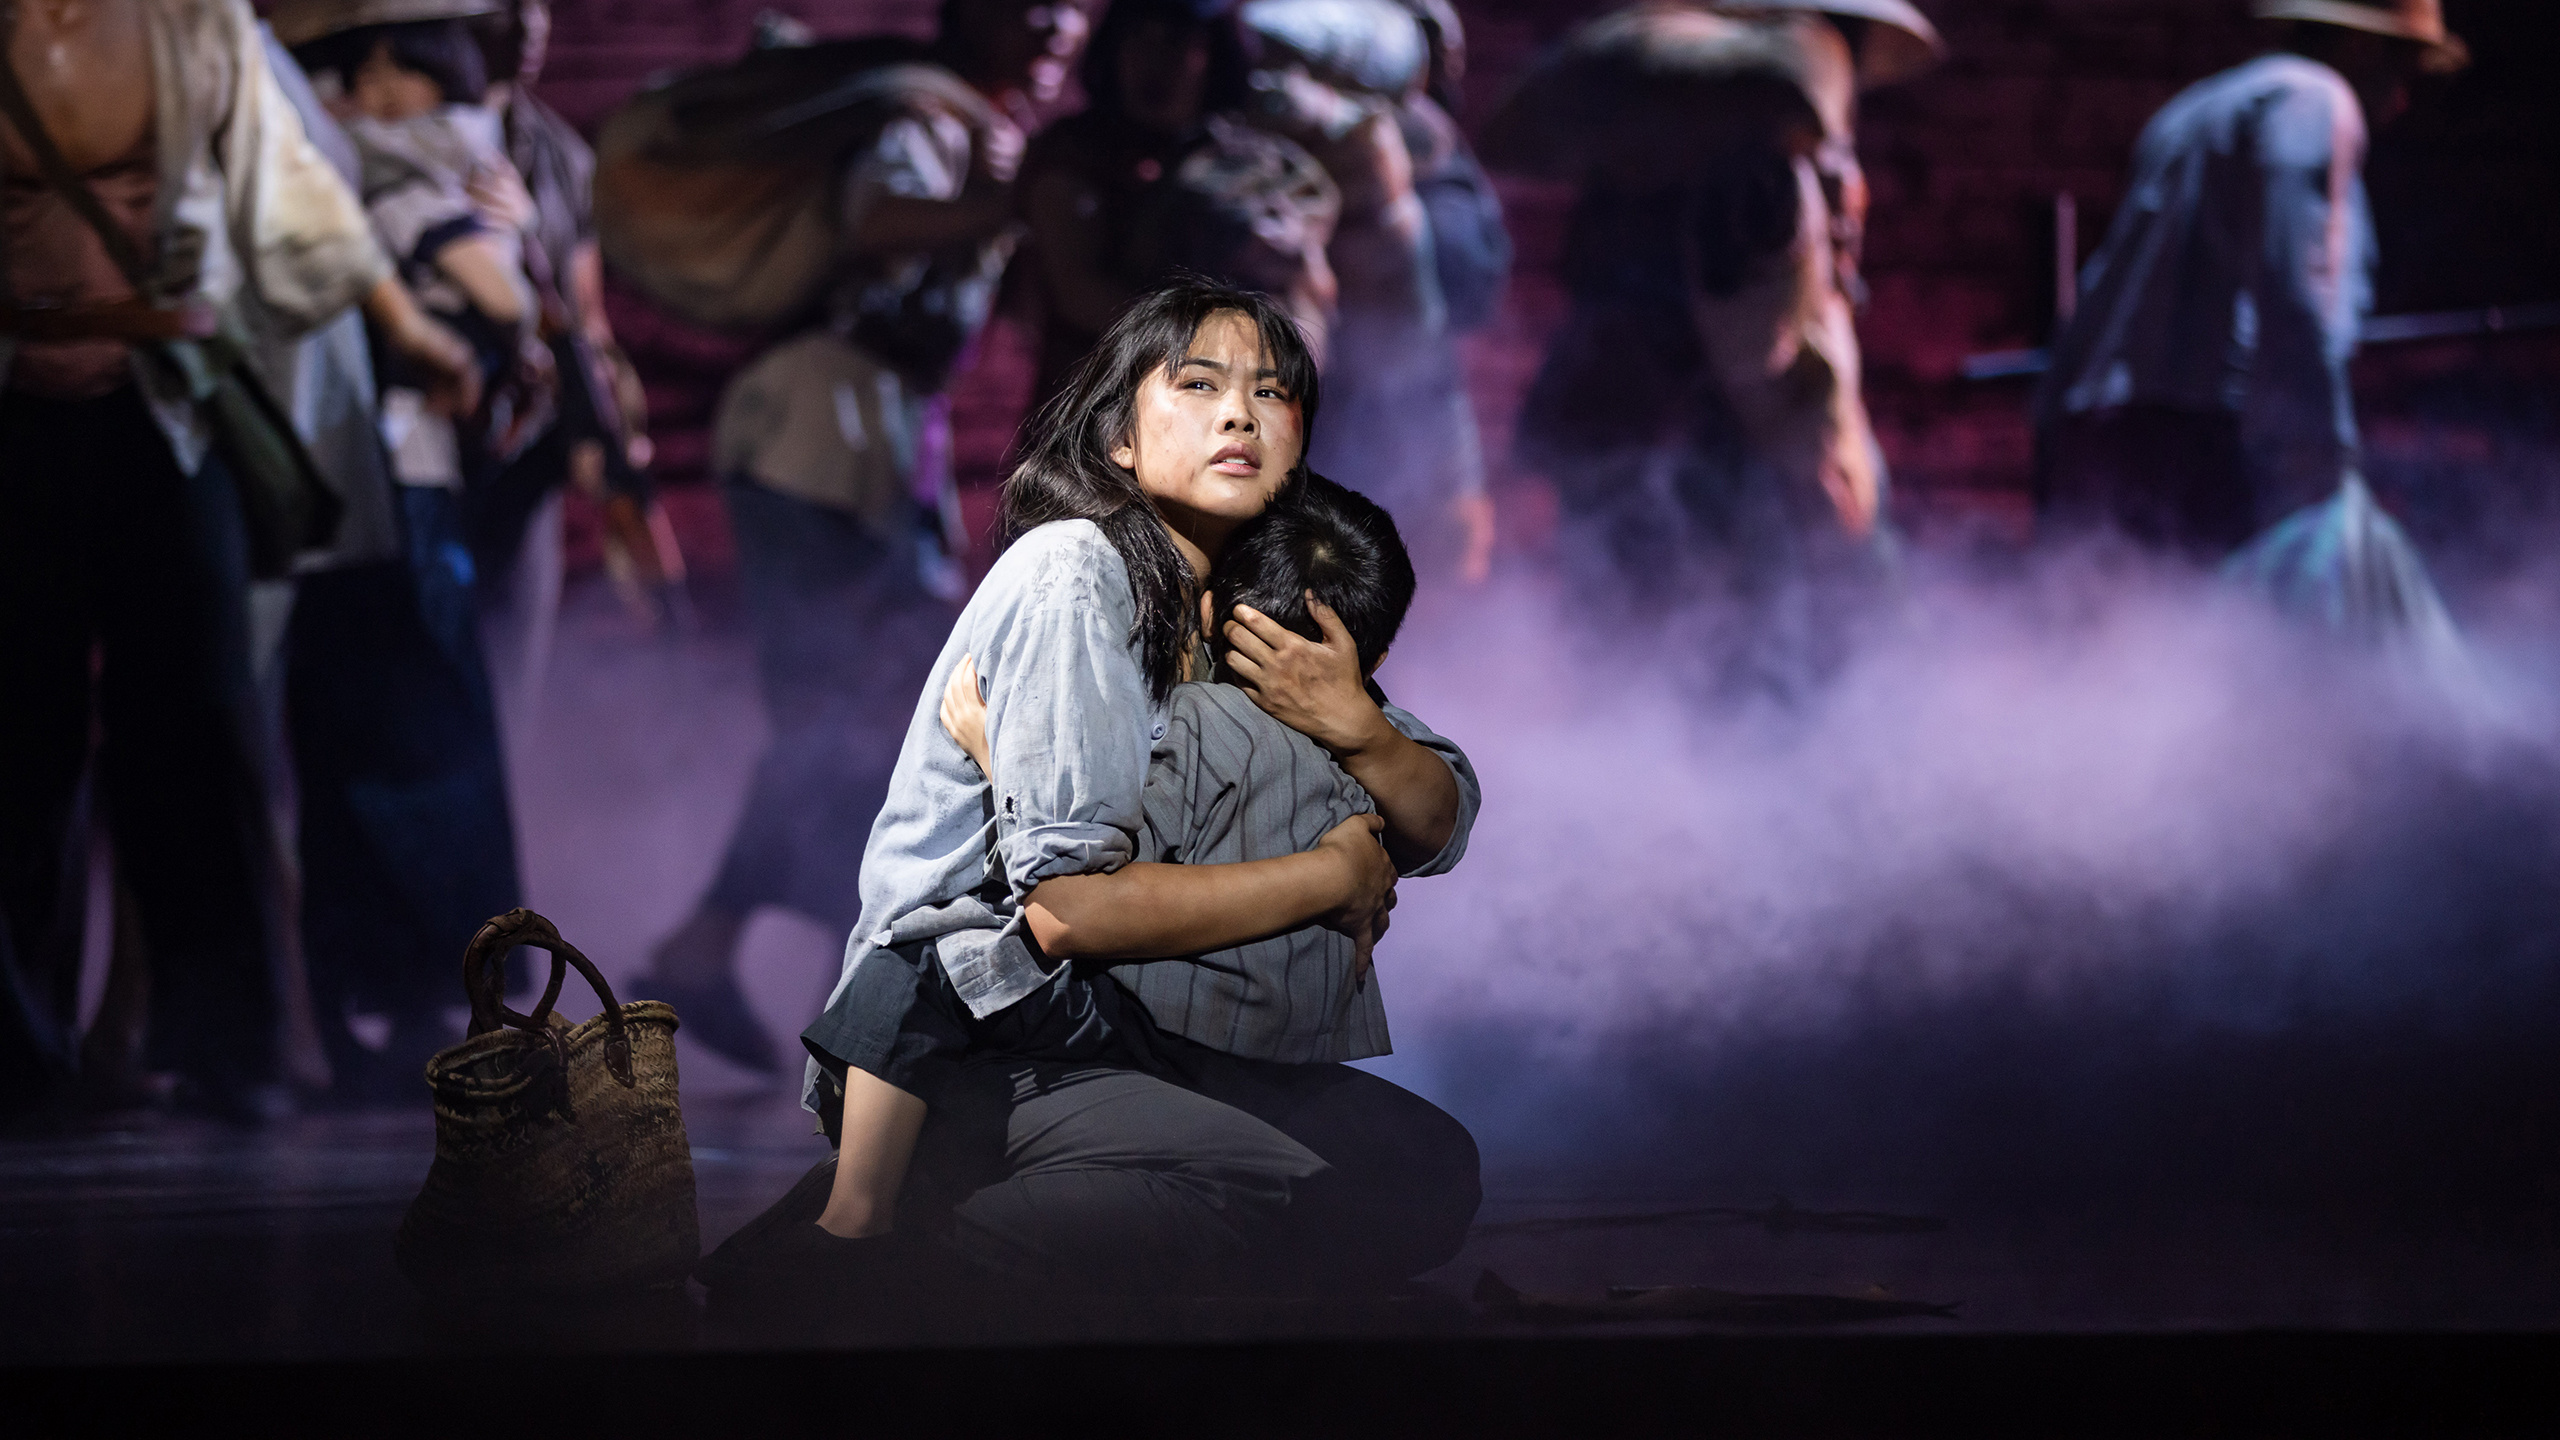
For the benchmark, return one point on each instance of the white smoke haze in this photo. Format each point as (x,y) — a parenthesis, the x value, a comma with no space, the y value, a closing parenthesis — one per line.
(2084,824)
(2078,877)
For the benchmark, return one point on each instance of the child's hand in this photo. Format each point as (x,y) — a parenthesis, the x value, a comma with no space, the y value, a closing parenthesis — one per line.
(964,715)
(1369,886)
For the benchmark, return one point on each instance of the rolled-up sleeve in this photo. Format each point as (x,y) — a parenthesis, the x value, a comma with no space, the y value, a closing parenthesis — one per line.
(1470,789)
(1065,723)
(303,238)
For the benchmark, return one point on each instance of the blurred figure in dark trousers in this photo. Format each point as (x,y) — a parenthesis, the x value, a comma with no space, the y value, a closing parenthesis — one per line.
(1471,265)
(159,191)
(2200,392)
(406,834)
(597,442)
(835,445)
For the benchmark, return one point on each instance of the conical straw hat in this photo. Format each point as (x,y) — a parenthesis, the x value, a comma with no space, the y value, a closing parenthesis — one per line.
(2418,20)
(1902,44)
(299,22)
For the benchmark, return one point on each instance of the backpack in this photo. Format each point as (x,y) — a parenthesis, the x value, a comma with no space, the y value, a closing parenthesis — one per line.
(1367,47)
(1243,205)
(716,192)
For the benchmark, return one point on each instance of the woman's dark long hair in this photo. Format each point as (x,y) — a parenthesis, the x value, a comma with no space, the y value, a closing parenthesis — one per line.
(1066,471)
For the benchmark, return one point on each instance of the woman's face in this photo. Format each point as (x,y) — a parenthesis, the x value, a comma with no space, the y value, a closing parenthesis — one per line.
(1213,439)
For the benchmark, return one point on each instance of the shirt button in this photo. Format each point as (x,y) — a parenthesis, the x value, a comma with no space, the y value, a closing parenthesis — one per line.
(1159,733)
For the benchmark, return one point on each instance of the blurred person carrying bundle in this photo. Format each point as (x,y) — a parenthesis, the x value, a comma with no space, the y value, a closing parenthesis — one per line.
(1158,174)
(1293,148)
(856,197)
(162,241)
(1418,254)
(405,80)
(2199,396)
(1700,410)
(597,441)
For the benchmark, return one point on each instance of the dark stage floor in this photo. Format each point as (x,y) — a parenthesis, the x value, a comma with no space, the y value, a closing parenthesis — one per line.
(181,1259)
(185,1242)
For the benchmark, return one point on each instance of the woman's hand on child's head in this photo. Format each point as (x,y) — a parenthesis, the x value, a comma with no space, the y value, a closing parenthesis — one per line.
(964,715)
(1313,687)
(1369,884)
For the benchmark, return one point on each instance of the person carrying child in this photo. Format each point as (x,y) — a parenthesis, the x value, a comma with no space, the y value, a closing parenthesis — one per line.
(407,834)
(1062,1130)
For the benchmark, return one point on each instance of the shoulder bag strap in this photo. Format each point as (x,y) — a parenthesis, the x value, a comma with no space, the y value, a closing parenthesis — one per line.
(58,174)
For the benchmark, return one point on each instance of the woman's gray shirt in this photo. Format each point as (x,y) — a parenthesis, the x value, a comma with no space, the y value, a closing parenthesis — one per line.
(1069,725)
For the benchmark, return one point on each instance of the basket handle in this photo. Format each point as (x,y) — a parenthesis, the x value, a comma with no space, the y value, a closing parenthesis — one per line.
(482,981)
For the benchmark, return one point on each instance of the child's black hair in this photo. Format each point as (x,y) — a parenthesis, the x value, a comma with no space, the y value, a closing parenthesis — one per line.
(442,50)
(1323,537)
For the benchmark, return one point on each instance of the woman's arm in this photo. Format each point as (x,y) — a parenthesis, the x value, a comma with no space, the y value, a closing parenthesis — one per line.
(1316,689)
(1346,883)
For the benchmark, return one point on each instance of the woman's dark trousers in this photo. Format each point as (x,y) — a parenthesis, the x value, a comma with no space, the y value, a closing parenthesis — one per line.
(1218,1175)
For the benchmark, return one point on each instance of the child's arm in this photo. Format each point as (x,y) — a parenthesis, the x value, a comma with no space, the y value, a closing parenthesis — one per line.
(964,715)
(452,371)
(480,267)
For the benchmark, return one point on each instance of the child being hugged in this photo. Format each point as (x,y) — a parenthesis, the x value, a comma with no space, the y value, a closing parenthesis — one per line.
(1228,782)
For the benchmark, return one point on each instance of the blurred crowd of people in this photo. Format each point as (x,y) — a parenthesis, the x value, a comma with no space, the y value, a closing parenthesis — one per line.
(367,213)
(341,347)
(1303,148)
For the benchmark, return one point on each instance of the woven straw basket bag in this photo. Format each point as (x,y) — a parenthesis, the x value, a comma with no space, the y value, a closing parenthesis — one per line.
(561,1163)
